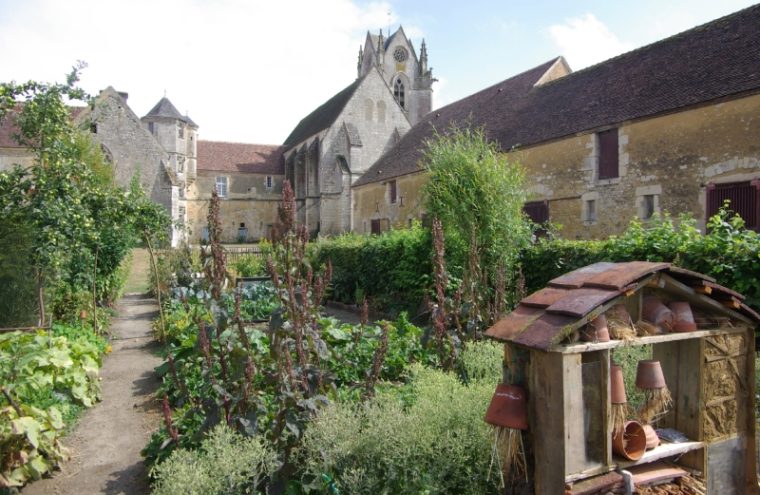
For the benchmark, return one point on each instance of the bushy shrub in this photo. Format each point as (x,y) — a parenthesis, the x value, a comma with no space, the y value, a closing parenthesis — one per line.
(250,265)
(438,443)
(392,269)
(727,251)
(226,463)
(482,361)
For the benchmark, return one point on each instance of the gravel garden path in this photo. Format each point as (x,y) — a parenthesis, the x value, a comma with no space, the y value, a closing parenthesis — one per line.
(105,445)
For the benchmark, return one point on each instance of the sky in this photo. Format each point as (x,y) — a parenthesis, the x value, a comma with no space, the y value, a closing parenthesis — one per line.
(250,70)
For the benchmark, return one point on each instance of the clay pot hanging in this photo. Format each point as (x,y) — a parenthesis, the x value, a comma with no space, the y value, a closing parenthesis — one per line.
(683,319)
(508,407)
(619,413)
(657,313)
(631,442)
(652,439)
(596,331)
(657,398)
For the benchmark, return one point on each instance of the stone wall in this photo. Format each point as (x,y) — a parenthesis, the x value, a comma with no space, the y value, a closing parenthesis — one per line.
(15,156)
(248,202)
(672,158)
(373,202)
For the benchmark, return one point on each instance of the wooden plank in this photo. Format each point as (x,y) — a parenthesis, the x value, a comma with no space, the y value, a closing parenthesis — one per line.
(662,451)
(546,421)
(672,285)
(606,406)
(576,447)
(651,339)
(750,450)
(724,475)
(667,353)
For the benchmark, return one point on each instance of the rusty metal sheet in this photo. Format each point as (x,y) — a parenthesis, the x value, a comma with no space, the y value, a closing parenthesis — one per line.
(576,278)
(545,297)
(722,293)
(687,276)
(542,333)
(749,312)
(622,274)
(580,302)
(514,323)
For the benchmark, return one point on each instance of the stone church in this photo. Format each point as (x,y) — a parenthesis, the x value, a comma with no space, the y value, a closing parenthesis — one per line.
(333,146)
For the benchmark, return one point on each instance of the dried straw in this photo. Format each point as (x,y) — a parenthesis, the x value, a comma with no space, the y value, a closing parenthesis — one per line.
(508,452)
(619,323)
(618,417)
(657,403)
(645,328)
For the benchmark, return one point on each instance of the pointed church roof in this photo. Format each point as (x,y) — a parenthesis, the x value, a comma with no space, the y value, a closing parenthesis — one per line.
(166,109)
(323,117)
(712,61)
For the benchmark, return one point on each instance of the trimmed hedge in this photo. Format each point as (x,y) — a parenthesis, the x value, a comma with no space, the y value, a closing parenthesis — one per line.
(393,270)
(727,252)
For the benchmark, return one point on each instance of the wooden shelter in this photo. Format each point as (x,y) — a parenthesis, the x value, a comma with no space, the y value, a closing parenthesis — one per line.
(709,371)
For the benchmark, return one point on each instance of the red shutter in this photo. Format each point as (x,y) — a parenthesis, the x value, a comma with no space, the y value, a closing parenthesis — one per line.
(608,154)
(537,211)
(744,200)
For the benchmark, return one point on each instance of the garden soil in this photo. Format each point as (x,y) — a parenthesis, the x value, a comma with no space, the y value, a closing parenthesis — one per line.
(105,445)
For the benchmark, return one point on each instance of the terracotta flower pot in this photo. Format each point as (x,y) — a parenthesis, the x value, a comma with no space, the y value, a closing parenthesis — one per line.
(649,375)
(83,314)
(657,313)
(508,407)
(631,443)
(652,439)
(596,331)
(683,319)
(617,385)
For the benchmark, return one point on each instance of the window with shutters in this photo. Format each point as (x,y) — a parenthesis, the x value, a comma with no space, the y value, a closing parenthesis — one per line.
(537,211)
(743,198)
(609,160)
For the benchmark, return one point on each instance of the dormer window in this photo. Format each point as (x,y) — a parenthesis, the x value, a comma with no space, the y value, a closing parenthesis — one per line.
(398,92)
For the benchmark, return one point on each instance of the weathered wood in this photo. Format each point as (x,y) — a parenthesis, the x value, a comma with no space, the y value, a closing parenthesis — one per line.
(663,451)
(606,407)
(651,339)
(672,285)
(723,471)
(546,411)
(750,451)
(576,446)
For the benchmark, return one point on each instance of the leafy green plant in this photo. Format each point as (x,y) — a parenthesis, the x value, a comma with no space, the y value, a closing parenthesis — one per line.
(250,265)
(225,463)
(427,437)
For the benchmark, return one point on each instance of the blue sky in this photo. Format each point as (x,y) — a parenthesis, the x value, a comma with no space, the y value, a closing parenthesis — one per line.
(249,70)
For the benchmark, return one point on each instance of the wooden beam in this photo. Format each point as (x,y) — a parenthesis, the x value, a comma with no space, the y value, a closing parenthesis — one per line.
(672,285)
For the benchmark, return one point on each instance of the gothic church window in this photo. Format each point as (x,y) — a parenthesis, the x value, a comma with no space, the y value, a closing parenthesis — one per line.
(368,106)
(398,92)
(400,54)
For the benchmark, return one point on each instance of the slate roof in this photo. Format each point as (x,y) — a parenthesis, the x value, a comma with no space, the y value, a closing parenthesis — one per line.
(543,319)
(324,115)
(166,109)
(716,60)
(240,157)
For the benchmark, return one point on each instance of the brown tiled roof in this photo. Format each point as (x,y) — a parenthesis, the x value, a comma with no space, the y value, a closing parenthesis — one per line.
(8,127)
(323,117)
(716,60)
(240,157)
(544,318)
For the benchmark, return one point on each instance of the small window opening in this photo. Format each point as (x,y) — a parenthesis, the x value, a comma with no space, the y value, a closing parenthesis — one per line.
(647,207)
(180,131)
(221,186)
(609,163)
(591,210)
(392,191)
(269,182)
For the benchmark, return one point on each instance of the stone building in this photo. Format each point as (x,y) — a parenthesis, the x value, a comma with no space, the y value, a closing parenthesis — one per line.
(670,126)
(248,179)
(335,145)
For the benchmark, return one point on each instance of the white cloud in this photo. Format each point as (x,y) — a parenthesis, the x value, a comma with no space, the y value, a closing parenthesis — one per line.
(244,70)
(586,40)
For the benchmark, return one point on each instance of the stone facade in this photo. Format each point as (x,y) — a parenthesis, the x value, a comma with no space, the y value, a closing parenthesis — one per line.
(671,127)
(672,159)
(376,205)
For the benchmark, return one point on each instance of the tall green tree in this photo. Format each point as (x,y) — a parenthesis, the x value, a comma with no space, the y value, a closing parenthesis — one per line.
(478,195)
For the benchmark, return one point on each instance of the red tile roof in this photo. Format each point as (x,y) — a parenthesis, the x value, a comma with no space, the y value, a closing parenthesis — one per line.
(240,157)
(543,319)
(8,127)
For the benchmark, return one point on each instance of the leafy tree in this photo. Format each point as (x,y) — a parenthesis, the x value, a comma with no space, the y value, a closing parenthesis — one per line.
(478,195)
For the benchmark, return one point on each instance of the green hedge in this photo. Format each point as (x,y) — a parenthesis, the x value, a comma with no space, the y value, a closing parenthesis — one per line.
(392,270)
(727,252)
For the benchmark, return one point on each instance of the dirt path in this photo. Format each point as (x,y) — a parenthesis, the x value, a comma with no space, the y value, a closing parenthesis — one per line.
(106,444)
